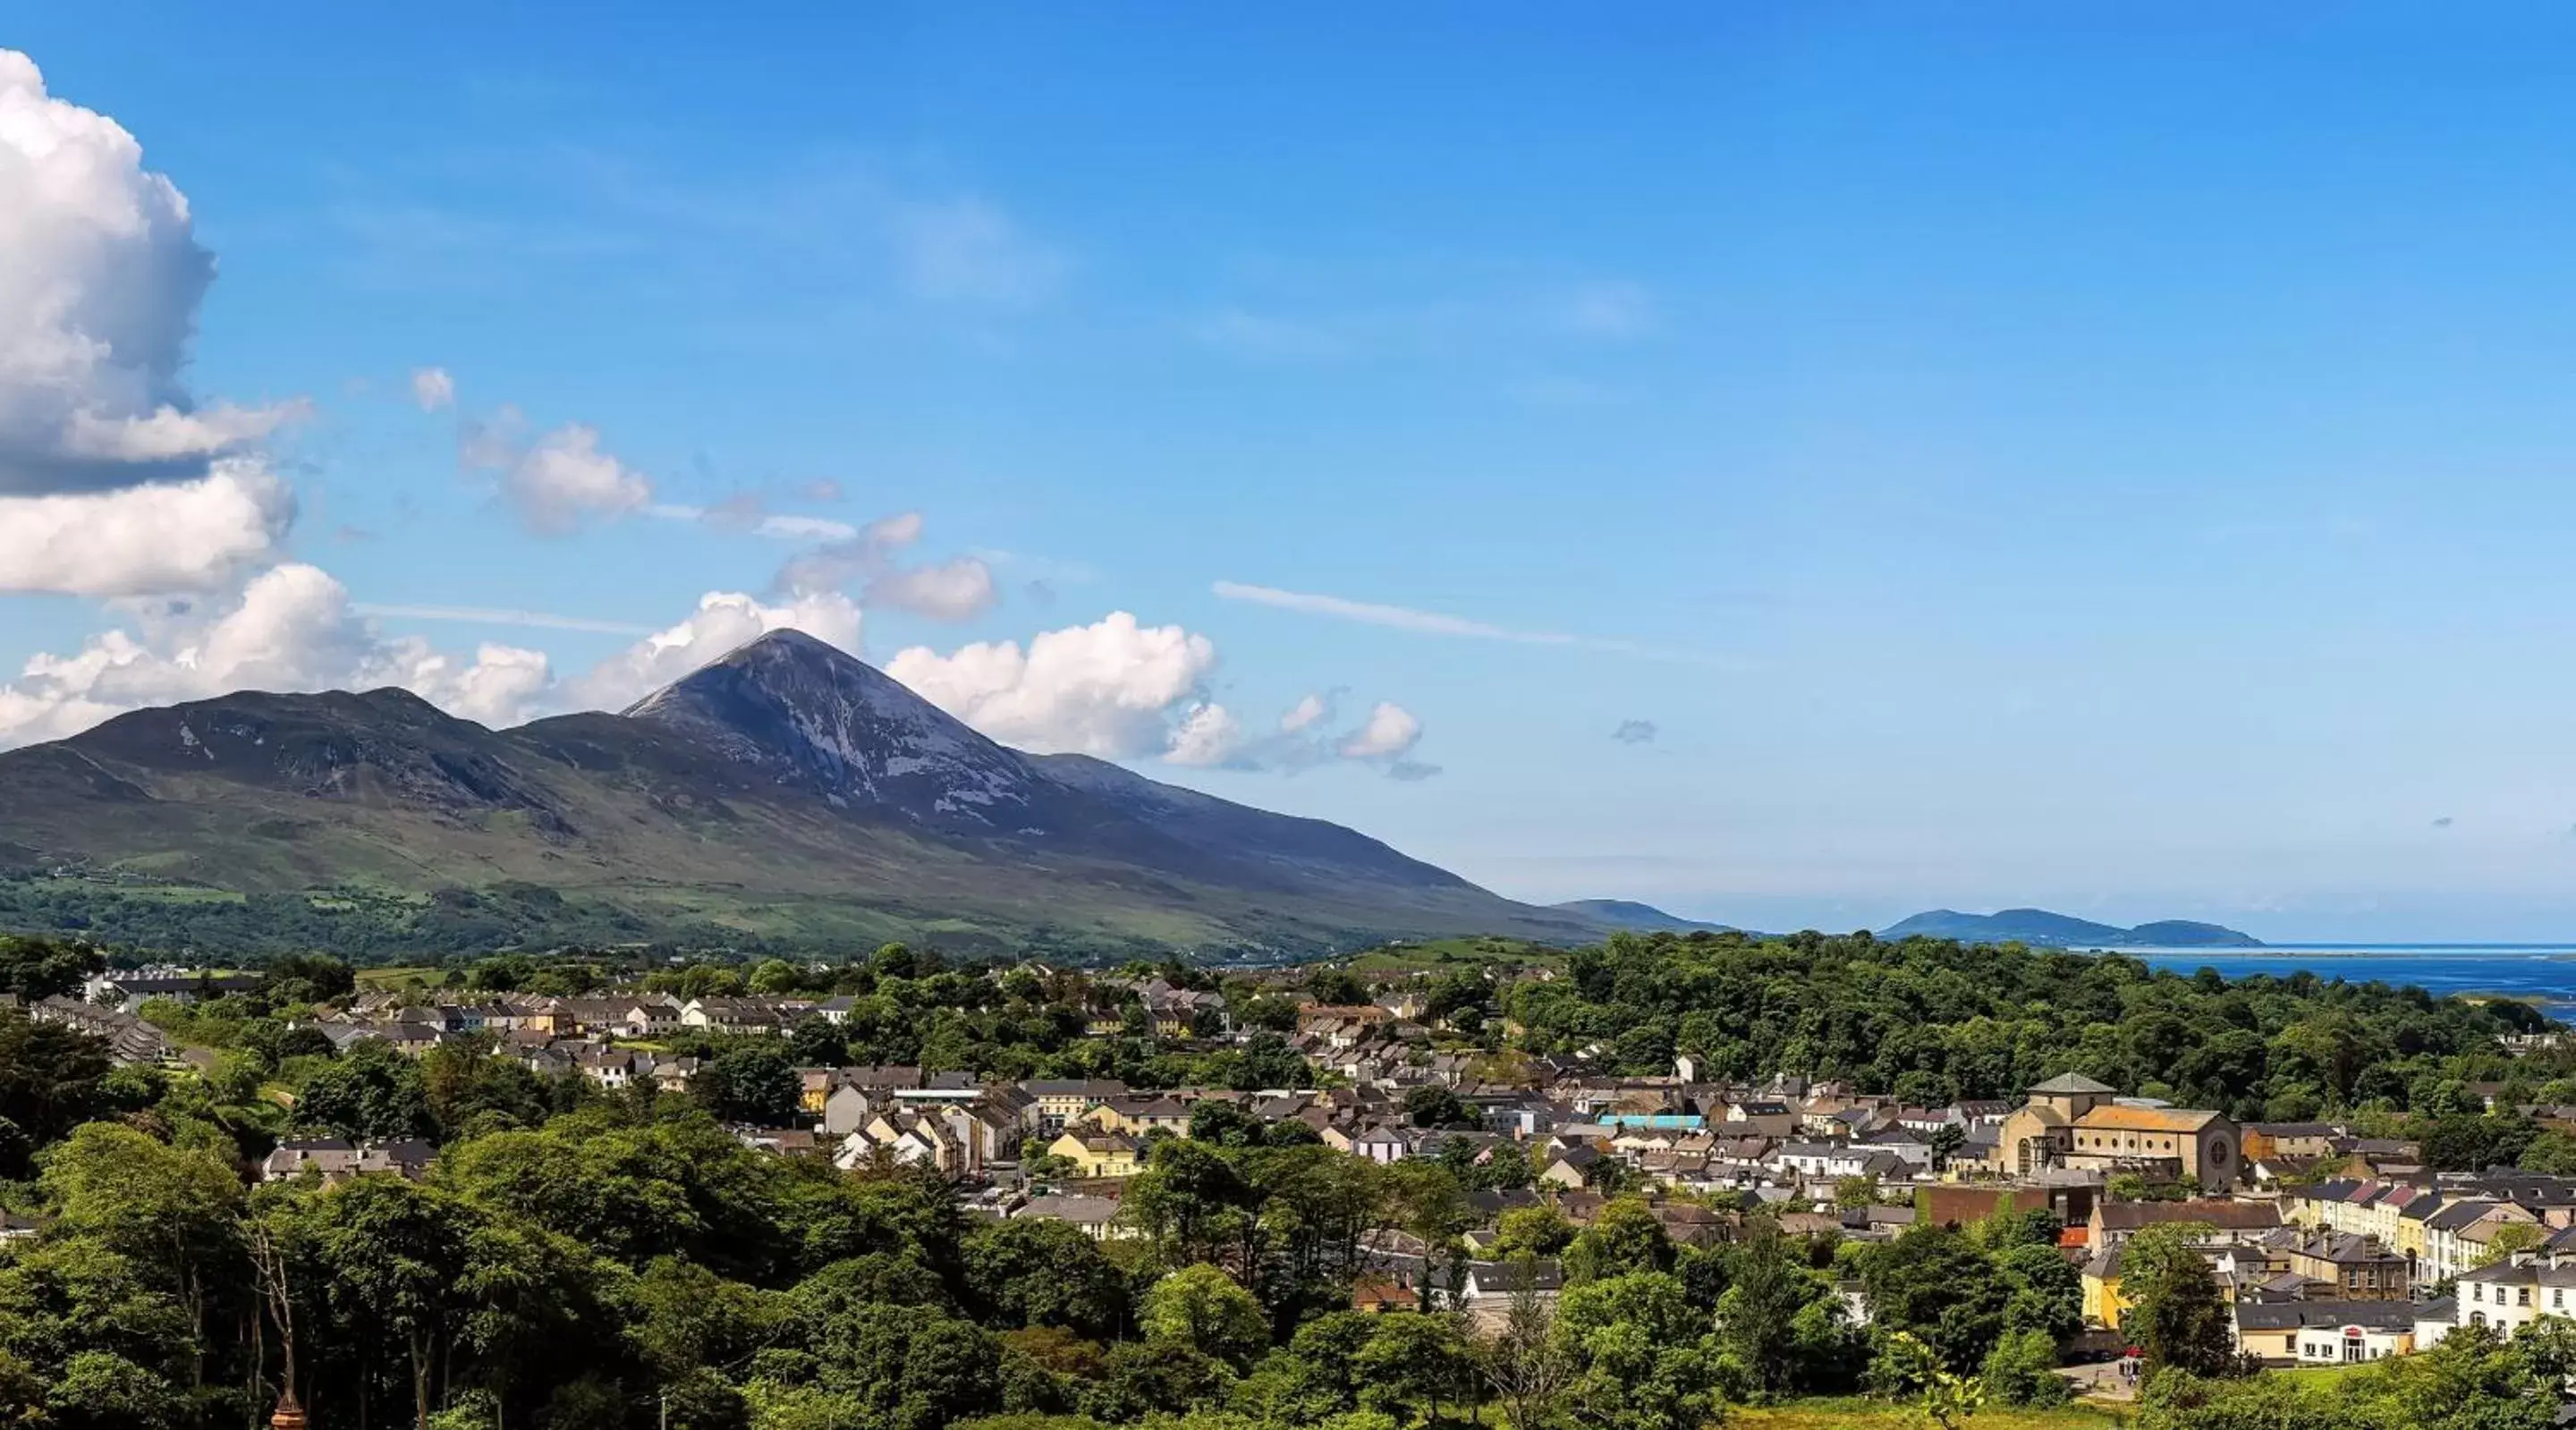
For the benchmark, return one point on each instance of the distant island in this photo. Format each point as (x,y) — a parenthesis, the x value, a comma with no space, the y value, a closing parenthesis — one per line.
(2039,926)
(1637,917)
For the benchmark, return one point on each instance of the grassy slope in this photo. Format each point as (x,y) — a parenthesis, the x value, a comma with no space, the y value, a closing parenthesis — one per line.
(696,868)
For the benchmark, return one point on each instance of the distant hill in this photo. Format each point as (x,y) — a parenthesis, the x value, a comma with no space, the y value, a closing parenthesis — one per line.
(786,794)
(1640,918)
(2039,926)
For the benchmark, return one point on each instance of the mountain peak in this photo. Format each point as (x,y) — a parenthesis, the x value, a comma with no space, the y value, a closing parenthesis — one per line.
(810,714)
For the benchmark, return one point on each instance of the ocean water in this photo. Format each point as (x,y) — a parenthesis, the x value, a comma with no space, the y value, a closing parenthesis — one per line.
(2542,971)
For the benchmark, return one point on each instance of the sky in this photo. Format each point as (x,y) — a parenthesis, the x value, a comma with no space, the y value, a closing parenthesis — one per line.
(1796,465)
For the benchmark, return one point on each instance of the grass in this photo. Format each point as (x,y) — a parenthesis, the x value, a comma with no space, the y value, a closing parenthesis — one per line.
(1837,1413)
(390,977)
(2316,1375)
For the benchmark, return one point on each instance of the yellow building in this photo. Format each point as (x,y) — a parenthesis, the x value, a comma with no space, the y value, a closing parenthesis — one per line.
(1098,1154)
(2101,1282)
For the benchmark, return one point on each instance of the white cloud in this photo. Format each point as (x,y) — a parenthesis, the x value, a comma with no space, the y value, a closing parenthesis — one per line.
(98,301)
(563,478)
(870,558)
(745,515)
(1391,731)
(498,616)
(1402,618)
(290,628)
(154,539)
(1207,735)
(432,388)
(722,621)
(1304,713)
(1113,688)
(114,480)
(1436,623)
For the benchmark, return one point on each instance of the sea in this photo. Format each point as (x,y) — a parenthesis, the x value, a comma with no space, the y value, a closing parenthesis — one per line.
(2543,973)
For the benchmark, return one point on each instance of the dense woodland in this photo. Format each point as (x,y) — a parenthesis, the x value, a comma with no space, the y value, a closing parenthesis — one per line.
(581,1259)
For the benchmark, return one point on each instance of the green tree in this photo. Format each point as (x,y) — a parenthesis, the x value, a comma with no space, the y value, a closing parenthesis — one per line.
(2176,1314)
(1201,1308)
(1624,1237)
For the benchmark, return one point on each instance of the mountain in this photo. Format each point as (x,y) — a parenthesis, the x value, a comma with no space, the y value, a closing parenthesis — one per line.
(1641,918)
(2039,926)
(786,794)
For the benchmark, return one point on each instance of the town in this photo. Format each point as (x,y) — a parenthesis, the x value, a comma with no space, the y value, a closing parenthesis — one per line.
(2329,1247)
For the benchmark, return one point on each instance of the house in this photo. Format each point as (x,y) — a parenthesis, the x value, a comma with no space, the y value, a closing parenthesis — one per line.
(2324,1332)
(2348,1267)
(2115,1222)
(14,1227)
(2510,1294)
(1486,1293)
(335,1159)
(2289,1139)
(1137,1116)
(1063,1101)
(1098,1153)
(2456,1238)
(1568,1167)
(126,988)
(129,1039)
(1095,1217)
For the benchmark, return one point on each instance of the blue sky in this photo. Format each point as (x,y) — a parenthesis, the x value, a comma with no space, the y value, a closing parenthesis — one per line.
(2114,462)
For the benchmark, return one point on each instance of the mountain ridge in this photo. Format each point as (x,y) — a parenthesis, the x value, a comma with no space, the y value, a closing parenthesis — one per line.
(1638,917)
(2040,926)
(785,791)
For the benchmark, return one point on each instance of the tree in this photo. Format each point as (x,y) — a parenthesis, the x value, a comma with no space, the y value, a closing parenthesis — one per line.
(1909,1369)
(368,1093)
(1524,1363)
(1025,1272)
(2176,1315)
(36,969)
(1200,1308)
(392,1255)
(1531,1231)
(52,1079)
(753,1082)
(2509,1238)
(1935,1284)
(1431,1105)
(2022,1370)
(1413,1362)
(1757,1315)
(1623,1237)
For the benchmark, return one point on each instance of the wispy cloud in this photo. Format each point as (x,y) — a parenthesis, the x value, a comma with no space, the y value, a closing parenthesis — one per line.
(1440,623)
(740,514)
(501,616)
(1635,732)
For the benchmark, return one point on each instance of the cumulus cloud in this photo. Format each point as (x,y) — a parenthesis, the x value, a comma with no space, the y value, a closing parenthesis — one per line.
(432,388)
(1391,731)
(722,621)
(1303,714)
(98,301)
(558,481)
(290,628)
(109,479)
(1211,736)
(158,538)
(1207,734)
(1114,688)
(871,559)
(2444,822)
(1635,732)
